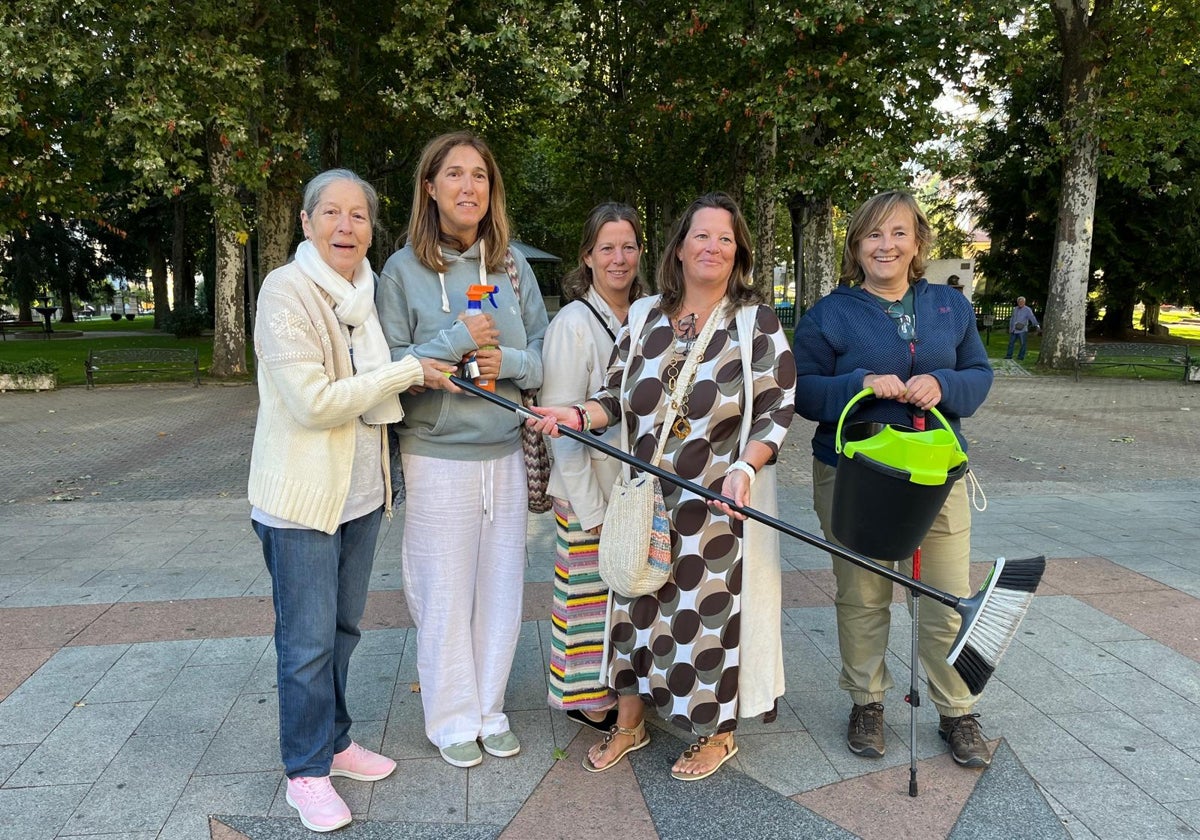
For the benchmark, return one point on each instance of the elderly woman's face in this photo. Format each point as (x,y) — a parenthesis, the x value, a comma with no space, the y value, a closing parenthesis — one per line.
(340,227)
(709,248)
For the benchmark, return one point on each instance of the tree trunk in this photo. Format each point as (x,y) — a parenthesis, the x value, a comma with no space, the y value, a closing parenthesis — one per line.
(229,333)
(764,212)
(820,260)
(179,269)
(278,209)
(158,280)
(1066,303)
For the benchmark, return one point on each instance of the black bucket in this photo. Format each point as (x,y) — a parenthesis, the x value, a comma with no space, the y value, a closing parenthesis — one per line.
(878,509)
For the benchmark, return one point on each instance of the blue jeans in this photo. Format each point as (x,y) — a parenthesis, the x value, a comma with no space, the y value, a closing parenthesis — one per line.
(1014,337)
(319,584)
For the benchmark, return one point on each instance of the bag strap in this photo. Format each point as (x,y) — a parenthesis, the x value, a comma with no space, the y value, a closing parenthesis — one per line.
(599,318)
(639,311)
(746,317)
(514,276)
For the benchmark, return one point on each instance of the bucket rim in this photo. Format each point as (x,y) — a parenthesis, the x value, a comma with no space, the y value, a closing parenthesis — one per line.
(839,444)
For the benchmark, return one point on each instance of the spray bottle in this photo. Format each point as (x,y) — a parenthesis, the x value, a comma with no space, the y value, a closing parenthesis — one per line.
(475,307)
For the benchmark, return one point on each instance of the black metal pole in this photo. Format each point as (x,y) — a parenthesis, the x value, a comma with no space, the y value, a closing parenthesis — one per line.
(588,439)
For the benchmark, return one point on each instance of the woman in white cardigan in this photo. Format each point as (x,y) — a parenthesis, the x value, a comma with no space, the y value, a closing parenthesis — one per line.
(575,356)
(318,483)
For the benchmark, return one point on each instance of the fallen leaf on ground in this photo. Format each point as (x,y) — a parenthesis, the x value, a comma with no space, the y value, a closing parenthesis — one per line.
(1123,439)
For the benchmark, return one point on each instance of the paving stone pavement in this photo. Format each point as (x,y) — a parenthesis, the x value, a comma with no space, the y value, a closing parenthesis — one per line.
(137,674)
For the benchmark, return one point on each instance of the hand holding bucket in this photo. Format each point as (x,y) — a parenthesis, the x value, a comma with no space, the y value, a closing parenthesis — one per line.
(891,482)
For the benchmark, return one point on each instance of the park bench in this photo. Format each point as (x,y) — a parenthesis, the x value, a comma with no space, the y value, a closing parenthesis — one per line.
(9,327)
(1135,355)
(142,360)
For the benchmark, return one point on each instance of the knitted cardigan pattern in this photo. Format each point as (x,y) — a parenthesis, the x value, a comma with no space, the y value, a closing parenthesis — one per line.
(309,402)
(848,335)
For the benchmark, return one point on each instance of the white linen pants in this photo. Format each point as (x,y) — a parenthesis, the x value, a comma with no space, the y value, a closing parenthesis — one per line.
(464,572)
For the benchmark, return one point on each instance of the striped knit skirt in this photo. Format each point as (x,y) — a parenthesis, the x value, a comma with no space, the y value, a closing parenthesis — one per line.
(580,603)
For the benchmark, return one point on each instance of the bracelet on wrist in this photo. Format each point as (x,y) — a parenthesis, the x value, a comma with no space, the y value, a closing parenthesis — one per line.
(742,466)
(584,419)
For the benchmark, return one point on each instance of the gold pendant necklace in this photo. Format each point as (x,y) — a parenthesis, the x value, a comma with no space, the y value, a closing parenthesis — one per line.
(682,427)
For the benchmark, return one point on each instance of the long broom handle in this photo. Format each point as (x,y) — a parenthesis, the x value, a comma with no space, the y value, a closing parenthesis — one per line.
(590,440)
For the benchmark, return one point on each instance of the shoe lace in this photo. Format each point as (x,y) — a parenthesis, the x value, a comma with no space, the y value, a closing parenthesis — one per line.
(868,718)
(318,791)
(967,728)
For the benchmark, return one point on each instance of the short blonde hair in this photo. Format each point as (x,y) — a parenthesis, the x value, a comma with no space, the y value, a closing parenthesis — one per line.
(870,216)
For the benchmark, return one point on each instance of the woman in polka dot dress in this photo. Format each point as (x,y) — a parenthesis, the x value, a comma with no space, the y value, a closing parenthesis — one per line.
(682,649)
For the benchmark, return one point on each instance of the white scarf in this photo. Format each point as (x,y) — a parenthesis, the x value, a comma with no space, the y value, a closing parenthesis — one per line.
(354,306)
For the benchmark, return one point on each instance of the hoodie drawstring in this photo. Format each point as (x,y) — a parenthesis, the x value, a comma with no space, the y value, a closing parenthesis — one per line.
(482,276)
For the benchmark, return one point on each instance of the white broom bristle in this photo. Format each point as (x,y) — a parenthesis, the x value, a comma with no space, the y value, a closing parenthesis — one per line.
(991,619)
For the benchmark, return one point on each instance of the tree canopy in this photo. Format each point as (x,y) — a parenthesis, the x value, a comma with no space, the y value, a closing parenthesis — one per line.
(141,119)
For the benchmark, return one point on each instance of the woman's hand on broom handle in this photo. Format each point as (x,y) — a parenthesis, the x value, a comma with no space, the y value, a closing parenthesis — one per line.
(583,417)
(550,416)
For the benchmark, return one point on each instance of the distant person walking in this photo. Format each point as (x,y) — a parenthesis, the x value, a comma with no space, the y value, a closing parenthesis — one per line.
(1018,328)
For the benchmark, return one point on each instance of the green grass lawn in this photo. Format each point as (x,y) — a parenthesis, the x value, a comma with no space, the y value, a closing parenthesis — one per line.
(1179,324)
(71,353)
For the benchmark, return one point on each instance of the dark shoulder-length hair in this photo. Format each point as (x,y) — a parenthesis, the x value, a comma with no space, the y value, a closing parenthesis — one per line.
(424,226)
(740,289)
(577,282)
(873,212)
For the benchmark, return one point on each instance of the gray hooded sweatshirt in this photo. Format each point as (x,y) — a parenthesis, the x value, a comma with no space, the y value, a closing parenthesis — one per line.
(419,314)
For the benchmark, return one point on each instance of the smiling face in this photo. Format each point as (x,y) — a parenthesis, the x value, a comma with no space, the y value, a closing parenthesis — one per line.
(461,190)
(614,260)
(709,248)
(886,252)
(340,226)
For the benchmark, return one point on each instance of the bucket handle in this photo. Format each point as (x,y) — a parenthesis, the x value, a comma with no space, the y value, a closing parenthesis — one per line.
(867,392)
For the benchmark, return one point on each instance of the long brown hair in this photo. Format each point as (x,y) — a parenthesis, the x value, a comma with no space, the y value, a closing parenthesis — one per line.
(576,283)
(740,289)
(873,212)
(424,226)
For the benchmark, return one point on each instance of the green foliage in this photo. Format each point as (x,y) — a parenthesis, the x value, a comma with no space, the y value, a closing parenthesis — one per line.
(28,367)
(187,321)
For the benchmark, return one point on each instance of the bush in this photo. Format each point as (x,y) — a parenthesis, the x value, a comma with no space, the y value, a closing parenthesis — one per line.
(187,322)
(29,367)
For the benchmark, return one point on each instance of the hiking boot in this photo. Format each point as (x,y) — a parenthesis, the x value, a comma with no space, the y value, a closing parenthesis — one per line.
(966,740)
(320,807)
(864,736)
(359,763)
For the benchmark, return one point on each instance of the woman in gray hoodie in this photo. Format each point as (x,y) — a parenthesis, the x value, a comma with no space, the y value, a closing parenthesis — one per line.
(465,517)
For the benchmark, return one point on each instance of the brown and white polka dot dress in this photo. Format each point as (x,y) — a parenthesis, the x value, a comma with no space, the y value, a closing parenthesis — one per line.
(679,647)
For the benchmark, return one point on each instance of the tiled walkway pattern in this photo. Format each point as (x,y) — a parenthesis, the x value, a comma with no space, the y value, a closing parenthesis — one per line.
(137,675)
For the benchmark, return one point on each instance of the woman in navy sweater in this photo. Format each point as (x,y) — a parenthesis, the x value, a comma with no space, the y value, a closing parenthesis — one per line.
(915,345)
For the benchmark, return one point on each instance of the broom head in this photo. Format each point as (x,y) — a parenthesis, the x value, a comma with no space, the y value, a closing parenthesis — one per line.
(990,618)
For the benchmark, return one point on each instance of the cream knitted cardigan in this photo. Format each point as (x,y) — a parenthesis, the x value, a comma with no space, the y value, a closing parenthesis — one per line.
(309,402)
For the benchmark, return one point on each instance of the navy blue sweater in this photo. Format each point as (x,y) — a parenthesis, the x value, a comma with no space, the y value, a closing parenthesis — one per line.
(848,335)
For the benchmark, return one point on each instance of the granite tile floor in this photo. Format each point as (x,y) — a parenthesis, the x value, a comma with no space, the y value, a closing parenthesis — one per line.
(137,674)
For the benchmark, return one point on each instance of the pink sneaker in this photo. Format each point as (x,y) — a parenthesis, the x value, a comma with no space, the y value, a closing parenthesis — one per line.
(358,762)
(320,807)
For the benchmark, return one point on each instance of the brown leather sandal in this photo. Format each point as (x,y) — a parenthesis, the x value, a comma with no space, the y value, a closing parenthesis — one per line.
(637,733)
(702,743)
